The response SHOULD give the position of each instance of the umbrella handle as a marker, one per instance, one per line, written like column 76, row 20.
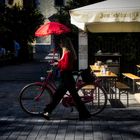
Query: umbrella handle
column 54, row 52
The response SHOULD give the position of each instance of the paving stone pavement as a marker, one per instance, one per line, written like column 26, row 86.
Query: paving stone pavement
column 111, row 124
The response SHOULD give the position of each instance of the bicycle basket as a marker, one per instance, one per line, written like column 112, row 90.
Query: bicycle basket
column 87, row 77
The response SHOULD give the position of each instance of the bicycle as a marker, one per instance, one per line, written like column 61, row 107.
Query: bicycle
column 35, row 96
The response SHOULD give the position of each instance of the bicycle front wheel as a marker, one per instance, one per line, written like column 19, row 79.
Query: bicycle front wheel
column 34, row 97
column 94, row 98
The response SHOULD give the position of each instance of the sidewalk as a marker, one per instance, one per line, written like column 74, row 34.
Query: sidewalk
column 111, row 124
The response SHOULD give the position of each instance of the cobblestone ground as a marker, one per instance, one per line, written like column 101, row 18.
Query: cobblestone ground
column 111, row 124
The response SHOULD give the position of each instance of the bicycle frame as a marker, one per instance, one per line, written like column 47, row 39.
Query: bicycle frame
column 94, row 100
column 48, row 82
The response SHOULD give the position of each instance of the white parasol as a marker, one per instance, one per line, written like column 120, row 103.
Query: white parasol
column 108, row 16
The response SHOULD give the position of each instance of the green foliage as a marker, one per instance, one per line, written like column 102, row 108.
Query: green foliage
column 19, row 24
column 22, row 23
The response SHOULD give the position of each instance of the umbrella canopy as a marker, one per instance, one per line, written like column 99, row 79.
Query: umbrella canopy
column 108, row 16
column 50, row 28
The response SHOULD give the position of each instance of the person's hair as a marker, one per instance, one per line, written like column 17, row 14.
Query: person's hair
column 68, row 44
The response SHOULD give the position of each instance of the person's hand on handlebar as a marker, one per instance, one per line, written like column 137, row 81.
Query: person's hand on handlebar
column 55, row 63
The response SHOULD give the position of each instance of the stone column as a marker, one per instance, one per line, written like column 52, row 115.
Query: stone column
column 83, row 50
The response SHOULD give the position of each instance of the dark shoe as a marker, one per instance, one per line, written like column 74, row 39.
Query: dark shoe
column 46, row 116
column 84, row 117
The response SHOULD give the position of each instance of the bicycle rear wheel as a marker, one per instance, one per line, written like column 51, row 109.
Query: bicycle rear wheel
column 34, row 97
column 94, row 97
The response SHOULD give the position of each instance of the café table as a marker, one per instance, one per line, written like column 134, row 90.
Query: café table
column 95, row 68
column 108, row 80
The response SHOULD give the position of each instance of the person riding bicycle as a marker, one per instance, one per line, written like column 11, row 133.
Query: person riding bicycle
column 66, row 64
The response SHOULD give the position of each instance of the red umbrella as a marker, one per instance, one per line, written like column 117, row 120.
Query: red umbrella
column 51, row 28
